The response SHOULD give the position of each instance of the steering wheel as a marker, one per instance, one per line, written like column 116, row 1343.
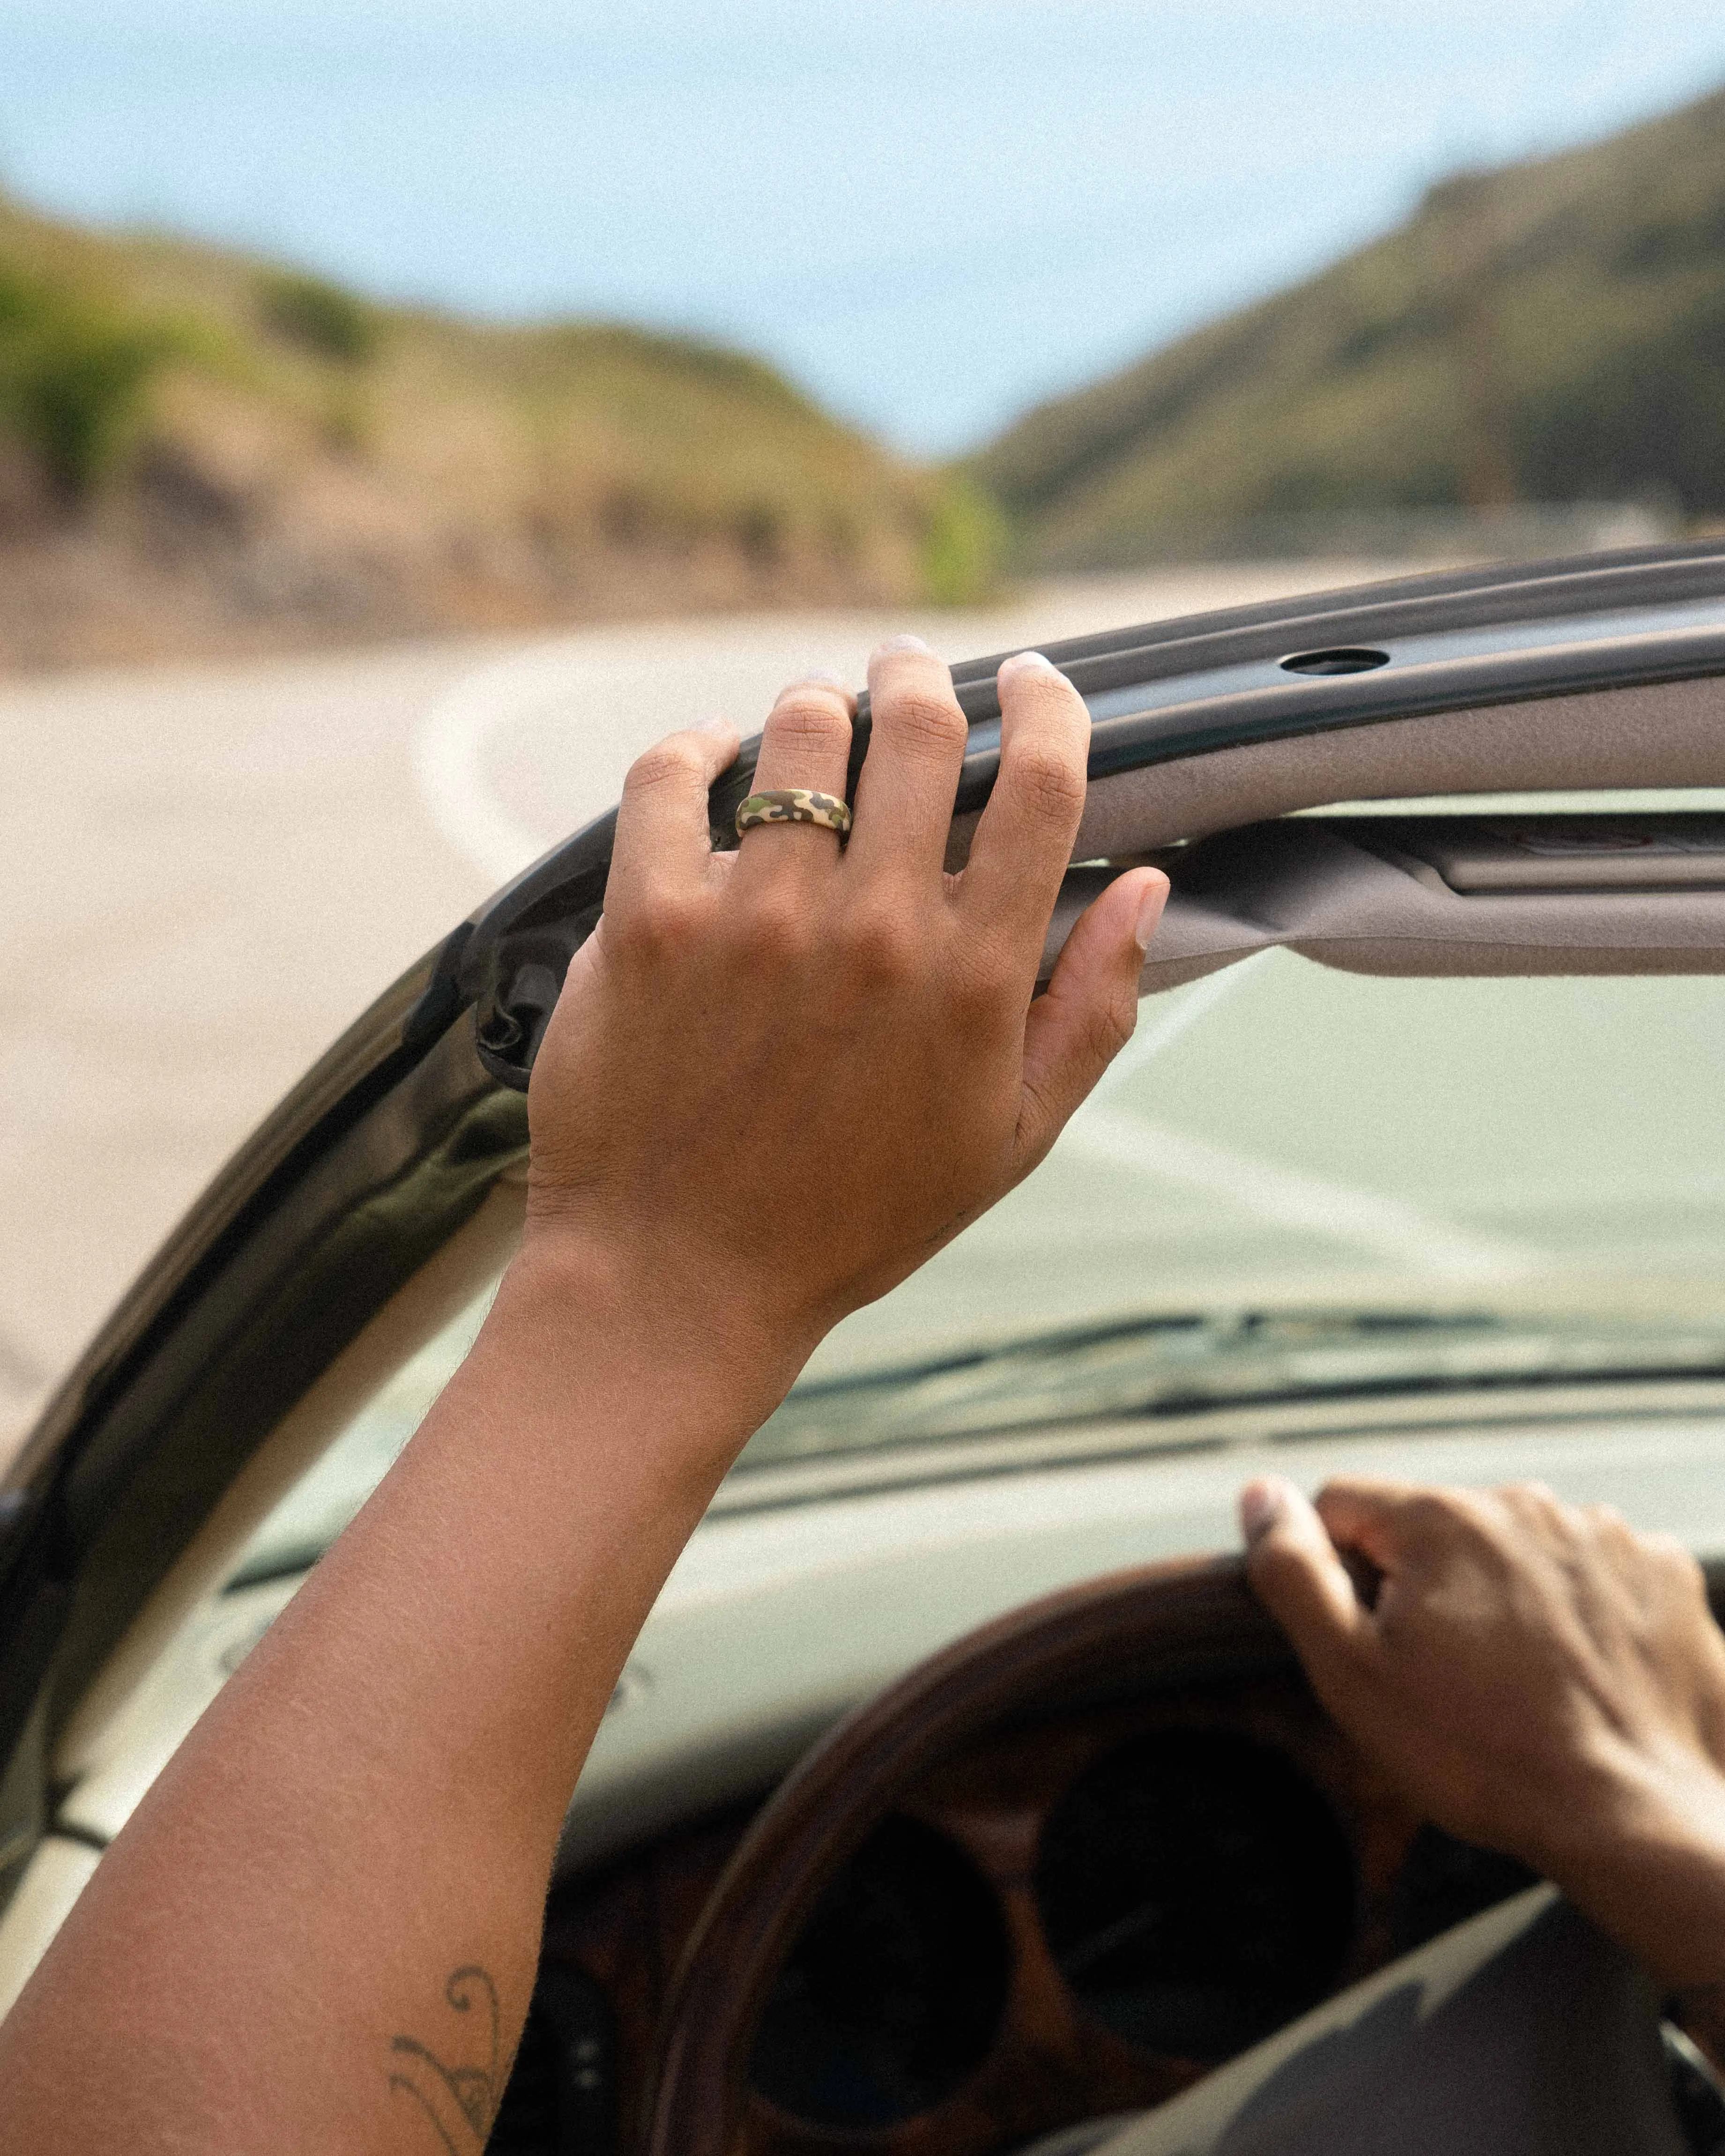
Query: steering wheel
column 1167, row 1625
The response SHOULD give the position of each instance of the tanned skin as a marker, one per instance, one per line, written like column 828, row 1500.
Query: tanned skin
column 1538, row 1679
column 776, row 1082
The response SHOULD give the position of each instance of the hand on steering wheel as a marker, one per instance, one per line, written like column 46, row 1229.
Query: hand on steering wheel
column 1537, row 1678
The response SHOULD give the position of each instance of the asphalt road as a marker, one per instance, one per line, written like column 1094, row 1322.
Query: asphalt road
column 206, row 872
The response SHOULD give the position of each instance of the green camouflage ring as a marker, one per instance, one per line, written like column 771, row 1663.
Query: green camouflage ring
column 794, row 805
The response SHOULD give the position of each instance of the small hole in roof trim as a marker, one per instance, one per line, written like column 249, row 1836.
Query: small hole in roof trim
column 1348, row 658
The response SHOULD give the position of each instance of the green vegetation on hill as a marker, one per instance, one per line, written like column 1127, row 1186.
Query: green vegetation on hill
column 1551, row 331
column 199, row 450
column 72, row 374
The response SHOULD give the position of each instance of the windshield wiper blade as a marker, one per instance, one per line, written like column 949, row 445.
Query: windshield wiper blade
column 1198, row 1329
column 1175, row 1365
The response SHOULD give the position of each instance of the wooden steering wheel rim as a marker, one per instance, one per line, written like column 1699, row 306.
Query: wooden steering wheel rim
column 1164, row 1625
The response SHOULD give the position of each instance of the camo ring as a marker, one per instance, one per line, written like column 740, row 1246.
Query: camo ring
column 794, row 805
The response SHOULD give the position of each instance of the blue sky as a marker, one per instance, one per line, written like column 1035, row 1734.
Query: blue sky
column 931, row 213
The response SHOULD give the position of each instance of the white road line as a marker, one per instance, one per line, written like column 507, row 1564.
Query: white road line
column 586, row 706
column 1184, row 1007
column 1292, row 1199
column 449, row 758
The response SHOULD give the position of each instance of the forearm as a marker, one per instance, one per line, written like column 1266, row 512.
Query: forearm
column 1641, row 1849
column 776, row 1079
column 372, row 1805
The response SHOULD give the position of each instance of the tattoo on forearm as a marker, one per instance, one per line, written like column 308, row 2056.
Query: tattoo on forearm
column 460, row 2100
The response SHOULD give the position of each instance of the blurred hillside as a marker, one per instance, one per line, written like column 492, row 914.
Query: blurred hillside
column 201, row 452
column 1551, row 331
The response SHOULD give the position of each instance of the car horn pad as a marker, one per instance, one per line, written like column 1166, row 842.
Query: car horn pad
column 1438, row 894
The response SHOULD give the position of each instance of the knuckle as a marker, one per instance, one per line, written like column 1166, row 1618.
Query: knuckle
column 1360, row 1495
column 808, row 719
column 1050, row 784
column 1332, row 1500
column 655, row 925
column 1537, row 1506
column 666, row 764
column 1121, row 1012
column 1428, row 1512
column 925, row 721
column 1676, row 1560
column 1344, row 1490
column 879, row 940
column 1609, row 1530
column 1107, row 1028
column 1440, row 1516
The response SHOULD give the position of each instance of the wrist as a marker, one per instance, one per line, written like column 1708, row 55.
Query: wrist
column 584, row 1321
column 1641, row 1849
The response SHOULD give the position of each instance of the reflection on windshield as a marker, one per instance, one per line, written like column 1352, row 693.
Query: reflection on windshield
column 1296, row 1182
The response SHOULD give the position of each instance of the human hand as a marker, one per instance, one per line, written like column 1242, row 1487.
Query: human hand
column 1536, row 1678
column 778, row 1079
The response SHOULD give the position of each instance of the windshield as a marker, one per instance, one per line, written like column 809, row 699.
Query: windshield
column 1295, row 1183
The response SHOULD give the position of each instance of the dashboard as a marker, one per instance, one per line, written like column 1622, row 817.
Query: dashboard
column 961, row 1990
column 1078, row 1913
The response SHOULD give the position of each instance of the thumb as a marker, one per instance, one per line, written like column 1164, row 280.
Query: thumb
column 1297, row 1573
column 1075, row 1031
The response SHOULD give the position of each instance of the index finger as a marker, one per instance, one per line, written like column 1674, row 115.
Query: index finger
column 1296, row 1574
column 1385, row 1520
column 664, row 843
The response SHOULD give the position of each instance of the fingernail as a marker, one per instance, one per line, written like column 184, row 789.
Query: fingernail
column 810, row 681
column 1262, row 1504
column 902, row 644
column 715, row 726
column 1150, row 907
column 1023, row 660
